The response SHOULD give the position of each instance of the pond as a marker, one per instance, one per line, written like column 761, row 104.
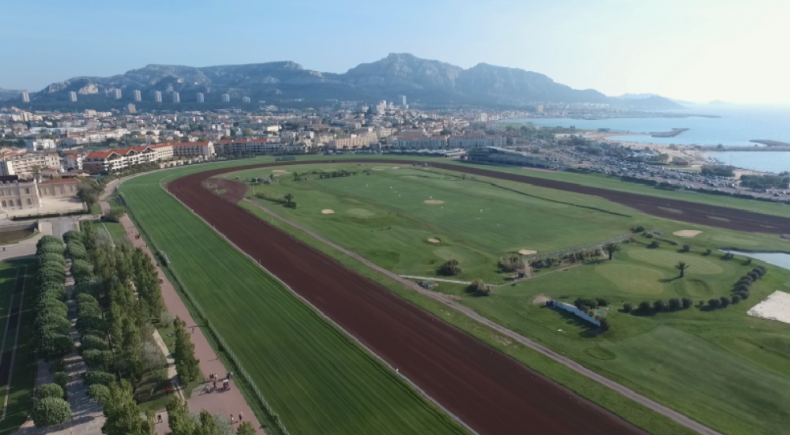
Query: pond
column 776, row 258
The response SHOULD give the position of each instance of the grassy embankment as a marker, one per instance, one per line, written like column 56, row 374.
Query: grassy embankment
column 698, row 361
column 20, row 396
column 315, row 378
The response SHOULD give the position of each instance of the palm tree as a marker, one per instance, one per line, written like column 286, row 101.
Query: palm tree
column 611, row 248
column 682, row 266
column 288, row 199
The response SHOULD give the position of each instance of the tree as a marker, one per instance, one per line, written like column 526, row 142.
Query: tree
column 246, row 428
column 50, row 411
column 611, row 248
column 151, row 357
column 660, row 305
column 674, row 304
column 101, row 378
column 725, row 301
column 628, row 307
column 99, row 392
column 682, row 266
column 736, row 298
column 645, row 306
column 123, row 416
column 101, row 360
column 687, row 303
column 450, row 268
column 288, row 199
column 714, row 303
column 187, row 366
column 480, row 288
column 686, row 248
column 179, row 420
column 130, row 361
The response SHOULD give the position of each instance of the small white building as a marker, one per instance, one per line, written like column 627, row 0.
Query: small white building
column 40, row 144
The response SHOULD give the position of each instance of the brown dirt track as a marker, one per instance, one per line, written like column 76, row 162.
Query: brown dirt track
column 488, row 390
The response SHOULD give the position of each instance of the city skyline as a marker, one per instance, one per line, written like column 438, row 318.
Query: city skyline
column 721, row 50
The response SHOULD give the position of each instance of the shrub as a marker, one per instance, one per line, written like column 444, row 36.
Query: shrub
column 90, row 323
column 61, row 378
column 55, row 346
column 687, row 303
column 628, row 307
column 57, row 365
column 511, row 264
column 728, row 256
column 51, row 411
column 744, row 295
column 52, row 305
column 602, row 302
column 604, row 325
column 714, row 303
column 686, row 248
column 92, row 342
column 450, row 268
column 708, row 252
column 586, row 303
column 48, row 390
column 638, row 229
column 674, row 304
column 725, row 301
column 660, row 305
column 480, row 288
column 645, row 306
column 736, row 298
column 97, row 377
column 654, row 244
column 101, row 360
column 99, row 392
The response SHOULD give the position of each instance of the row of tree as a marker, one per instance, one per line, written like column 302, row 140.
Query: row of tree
column 52, row 332
column 660, row 305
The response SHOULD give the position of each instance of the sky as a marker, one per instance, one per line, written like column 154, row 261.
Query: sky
column 694, row 50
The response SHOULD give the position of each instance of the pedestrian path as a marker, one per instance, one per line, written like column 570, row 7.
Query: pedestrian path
column 217, row 402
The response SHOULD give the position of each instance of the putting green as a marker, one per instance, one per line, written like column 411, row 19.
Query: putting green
column 668, row 259
column 696, row 288
column 633, row 279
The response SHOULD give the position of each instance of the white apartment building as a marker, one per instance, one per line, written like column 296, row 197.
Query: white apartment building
column 73, row 96
column 100, row 162
column 158, row 96
column 71, row 161
column 40, row 144
column 225, row 98
column 25, row 97
column 176, row 97
column 200, row 97
column 476, row 141
column 193, row 149
column 352, row 142
column 117, row 94
column 449, row 142
column 138, row 97
column 25, row 165
column 421, row 142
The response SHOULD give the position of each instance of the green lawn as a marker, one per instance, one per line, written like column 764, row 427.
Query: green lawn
column 115, row 231
column 20, row 397
column 315, row 378
column 654, row 354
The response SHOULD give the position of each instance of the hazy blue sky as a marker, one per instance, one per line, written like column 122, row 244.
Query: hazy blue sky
column 700, row 50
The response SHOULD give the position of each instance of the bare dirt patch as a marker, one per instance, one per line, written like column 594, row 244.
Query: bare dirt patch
column 540, row 299
column 687, row 233
column 279, row 172
column 433, row 201
column 327, row 211
column 775, row 307
column 434, row 240
column 527, row 251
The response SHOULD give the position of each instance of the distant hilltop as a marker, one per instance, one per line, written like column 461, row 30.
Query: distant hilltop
column 399, row 75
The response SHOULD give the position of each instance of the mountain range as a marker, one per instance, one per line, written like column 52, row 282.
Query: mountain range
column 422, row 81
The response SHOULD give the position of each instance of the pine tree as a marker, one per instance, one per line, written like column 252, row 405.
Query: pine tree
column 122, row 413
column 131, row 358
column 179, row 420
column 187, row 366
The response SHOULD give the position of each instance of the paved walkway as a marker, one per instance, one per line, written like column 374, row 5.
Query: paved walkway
column 573, row 365
column 218, row 402
column 425, row 278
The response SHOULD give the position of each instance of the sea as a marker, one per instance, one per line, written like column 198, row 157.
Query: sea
column 734, row 126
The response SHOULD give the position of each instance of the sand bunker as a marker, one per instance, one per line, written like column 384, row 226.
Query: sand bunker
column 775, row 307
column 687, row 233
column 278, row 172
column 433, row 240
column 540, row 299
column 527, row 252
column 396, row 167
column 327, row 211
column 379, row 169
column 433, row 201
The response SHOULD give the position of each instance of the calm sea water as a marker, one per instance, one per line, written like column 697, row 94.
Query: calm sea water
column 736, row 126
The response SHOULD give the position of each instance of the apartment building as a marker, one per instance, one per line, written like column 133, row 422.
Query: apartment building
column 71, row 160
column 352, row 142
column 100, row 162
column 26, row 165
column 476, row 141
column 40, row 144
column 421, row 142
column 257, row 146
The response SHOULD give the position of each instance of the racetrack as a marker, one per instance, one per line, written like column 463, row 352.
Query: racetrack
column 488, row 390
column 677, row 210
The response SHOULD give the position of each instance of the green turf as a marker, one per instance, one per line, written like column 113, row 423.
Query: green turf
column 316, row 379
column 636, row 274
column 20, row 397
column 115, row 231
column 384, row 217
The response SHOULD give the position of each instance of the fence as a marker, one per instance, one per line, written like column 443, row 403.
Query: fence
column 571, row 309
column 216, row 334
column 562, row 252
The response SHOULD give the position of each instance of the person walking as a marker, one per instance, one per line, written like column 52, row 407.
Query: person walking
column 231, row 419
column 241, row 417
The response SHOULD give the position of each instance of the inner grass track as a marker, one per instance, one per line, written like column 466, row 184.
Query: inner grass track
column 314, row 377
